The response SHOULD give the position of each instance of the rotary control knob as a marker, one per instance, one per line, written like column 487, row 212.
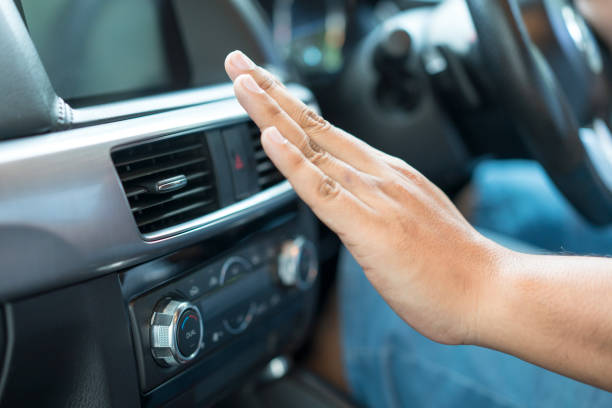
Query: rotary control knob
column 298, row 264
column 176, row 332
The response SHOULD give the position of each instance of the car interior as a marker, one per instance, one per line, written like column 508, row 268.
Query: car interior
column 150, row 252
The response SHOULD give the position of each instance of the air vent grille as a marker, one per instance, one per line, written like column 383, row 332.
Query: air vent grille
column 167, row 181
column 267, row 174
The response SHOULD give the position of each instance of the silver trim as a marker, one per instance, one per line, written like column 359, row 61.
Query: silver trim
column 64, row 216
column 151, row 104
column 161, row 103
column 279, row 194
column 289, row 261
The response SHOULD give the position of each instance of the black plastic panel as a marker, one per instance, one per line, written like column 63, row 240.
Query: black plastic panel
column 229, row 369
column 219, row 297
column 278, row 318
column 72, row 347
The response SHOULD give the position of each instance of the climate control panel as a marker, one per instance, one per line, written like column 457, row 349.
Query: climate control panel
column 208, row 306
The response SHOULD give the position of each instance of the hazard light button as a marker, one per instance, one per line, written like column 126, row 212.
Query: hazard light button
column 239, row 155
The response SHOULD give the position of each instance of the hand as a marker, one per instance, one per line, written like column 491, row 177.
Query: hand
column 415, row 247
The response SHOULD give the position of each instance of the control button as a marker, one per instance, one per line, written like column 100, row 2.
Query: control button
column 298, row 263
column 255, row 255
column 210, row 277
column 194, row 291
column 238, row 155
column 233, row 268
column 191, row 288
column 199, row 282
column 255, row 258
column 176, row 332
column 212, row 282
column 216, row 334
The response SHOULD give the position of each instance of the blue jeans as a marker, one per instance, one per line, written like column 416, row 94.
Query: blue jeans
column 388, row 364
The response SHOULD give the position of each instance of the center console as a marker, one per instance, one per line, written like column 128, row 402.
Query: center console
column 182, row 262
column 203, row 318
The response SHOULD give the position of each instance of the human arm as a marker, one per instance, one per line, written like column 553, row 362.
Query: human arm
column 553, row 311
column 437, row 272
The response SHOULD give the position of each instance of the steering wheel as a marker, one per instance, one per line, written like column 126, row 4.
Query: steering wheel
column 561, row 108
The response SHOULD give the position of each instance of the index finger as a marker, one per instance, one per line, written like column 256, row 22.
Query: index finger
column 337, row 142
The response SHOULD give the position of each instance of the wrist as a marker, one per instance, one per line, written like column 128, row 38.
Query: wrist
column 495, row 292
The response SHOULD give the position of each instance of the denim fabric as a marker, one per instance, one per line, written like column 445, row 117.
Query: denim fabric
column 388, row 364
column 517, row 199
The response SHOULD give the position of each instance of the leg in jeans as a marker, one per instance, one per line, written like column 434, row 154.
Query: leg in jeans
column 517, row 199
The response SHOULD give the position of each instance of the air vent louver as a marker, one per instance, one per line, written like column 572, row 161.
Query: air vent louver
column 167, row 181
column 267, row 174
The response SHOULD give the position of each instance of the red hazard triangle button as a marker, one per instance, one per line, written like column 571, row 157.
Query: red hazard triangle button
column 238, row 163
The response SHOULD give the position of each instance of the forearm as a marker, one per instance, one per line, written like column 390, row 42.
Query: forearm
column 553, row 311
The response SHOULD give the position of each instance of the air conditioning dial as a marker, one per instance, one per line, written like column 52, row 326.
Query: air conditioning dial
column 298, row 264
column 176, row 332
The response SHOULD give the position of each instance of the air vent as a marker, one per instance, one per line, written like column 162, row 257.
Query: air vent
column 267, row 174
column 167, row 181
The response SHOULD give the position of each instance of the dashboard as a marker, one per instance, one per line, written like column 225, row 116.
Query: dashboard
column 152, row 254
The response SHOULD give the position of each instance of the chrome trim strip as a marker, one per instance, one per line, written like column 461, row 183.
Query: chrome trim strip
column 64, row 216
column 161, row 103
column 150, row 104
column 272, row 197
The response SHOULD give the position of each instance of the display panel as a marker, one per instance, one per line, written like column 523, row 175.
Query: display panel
column 103, row 50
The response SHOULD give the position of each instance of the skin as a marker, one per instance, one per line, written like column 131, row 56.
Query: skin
column 599, row 14
column 433, row 268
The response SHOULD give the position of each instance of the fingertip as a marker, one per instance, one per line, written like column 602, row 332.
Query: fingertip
column 280, row 151
column 271, row 136
column 236, row 63
column 247, row 83
column 229, row 70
